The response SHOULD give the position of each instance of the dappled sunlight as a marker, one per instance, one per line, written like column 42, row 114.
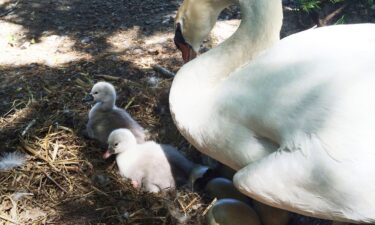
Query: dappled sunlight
column 158, row 38
column 123, row 40
column 51, row 53
column 132, row 42
column 145, row 62
column 51, row 50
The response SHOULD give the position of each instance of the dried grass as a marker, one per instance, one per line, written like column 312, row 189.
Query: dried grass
column 64, row 180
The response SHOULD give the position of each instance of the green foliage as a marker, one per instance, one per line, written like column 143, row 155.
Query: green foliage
column 341, row 20
column 310, row 5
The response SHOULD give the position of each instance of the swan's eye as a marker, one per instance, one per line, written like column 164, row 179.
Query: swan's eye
column 116, row 144
column 95, row 93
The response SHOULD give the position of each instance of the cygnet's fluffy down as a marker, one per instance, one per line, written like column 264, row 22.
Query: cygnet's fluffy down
column 11, row 160
column 105, row 116
column 150, row 166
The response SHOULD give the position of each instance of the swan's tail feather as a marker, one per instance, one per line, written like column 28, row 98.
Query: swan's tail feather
column 11, row 160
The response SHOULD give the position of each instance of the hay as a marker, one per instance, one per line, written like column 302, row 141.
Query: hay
column 64, row 179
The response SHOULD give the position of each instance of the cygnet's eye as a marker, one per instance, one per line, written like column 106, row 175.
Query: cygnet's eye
column 95, row 93
column 116, row 144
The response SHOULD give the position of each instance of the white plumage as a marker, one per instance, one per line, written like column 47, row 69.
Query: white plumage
column 294, row 117
column 149, row 165
column 11, row 160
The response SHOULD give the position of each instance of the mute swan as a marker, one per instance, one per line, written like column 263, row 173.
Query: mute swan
column 229, row 211
column 105, row 116
column 293, row 117
column 153, row 166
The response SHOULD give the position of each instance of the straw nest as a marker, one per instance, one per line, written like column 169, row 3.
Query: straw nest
column 64, row 179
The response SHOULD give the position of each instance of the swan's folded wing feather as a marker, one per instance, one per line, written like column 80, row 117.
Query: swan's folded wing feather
column 302, row 177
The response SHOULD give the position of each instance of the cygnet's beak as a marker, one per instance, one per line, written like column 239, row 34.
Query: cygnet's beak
column 107, row 154
column 88, row 98
column 187, row 51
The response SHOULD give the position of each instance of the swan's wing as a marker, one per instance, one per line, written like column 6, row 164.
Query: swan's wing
column 304, row 178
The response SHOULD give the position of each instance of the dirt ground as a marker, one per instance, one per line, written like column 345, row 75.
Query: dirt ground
column 51, row 53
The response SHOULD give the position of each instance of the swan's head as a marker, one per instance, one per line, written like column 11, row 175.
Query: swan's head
column 101, row 92
column 119, row 141
column 194, row 21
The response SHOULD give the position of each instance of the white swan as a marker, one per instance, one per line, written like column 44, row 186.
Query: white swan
column 295, row 118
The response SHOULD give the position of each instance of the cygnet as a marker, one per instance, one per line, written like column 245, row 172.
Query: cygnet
column 223, row 188
column 270, row 215
column 149, row 165
column 229, row 211
column 105, row 116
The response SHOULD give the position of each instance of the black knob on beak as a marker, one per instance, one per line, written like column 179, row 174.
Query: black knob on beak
column 187, row 51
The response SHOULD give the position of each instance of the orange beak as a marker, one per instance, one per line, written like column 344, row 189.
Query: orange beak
column 187, row 51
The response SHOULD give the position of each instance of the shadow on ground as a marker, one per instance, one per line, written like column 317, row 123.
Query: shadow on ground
column 89, row 21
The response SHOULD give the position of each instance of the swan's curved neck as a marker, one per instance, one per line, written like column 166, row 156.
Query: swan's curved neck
column 194, row 84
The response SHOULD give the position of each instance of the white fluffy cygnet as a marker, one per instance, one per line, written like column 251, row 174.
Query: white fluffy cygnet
column 150, row 166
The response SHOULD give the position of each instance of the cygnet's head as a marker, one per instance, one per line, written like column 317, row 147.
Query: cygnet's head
column 102, row 92
column 119, row 141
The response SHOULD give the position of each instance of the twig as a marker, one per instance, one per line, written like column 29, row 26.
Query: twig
column 74, row 198
column 36, row 154
column 32, row 122
column 57, row 184
column 10, row 10
column 14, row 107
column 163, row 71
column 99, row 191
column 65, row 128
column 8, row 219
column 191, row 203
column 108, row 77
column 181, row 205
column 209, row 206
column 325, row 20
column 55, row 150
column 112, row 78
column 129, row 103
